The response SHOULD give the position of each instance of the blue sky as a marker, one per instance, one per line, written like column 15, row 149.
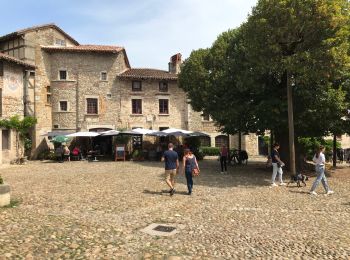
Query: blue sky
column 151, row 30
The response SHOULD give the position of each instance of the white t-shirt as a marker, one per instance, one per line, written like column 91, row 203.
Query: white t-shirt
column 321, row 160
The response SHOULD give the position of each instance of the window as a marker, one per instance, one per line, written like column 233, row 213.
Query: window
column 55, row 126
column 5, row 139
column 1, row 68
column 163, row 106
column 136, row 106
column 48, row 95
column 205, row 117
column 163, row 86
column 136, row 86
column 103, row 76
column 60, row 42
column 63, row 75
column 63, row 106
column 92, row 105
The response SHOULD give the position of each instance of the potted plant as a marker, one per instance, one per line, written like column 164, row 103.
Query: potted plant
column 4, row 193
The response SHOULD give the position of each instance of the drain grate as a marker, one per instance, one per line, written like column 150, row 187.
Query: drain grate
column 159, row 229
column 167, row 229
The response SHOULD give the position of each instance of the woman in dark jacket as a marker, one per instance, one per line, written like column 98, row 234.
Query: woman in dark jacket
column 189, row 163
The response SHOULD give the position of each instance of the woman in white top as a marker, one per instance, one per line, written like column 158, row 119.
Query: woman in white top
column 320, row 161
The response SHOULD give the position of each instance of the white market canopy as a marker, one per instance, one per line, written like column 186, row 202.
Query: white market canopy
column 110, row 133
column 144, row 131
column 83, row 134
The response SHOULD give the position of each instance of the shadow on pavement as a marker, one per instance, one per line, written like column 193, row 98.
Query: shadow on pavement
column 164, row 192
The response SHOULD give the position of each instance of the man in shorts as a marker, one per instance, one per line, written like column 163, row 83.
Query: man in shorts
column 171, row 159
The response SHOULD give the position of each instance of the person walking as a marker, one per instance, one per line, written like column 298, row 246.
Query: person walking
column 320, row 161
column 171, row 159
column 189, row 163
column 223, row 158
column 277, row 165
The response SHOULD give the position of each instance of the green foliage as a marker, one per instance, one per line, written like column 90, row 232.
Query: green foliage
column 241, row 81
column 309, row 145
column 20, row 125
column 210, row 151
column 47, row 155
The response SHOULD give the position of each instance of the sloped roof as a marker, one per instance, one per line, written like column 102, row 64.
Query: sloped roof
column 89, row 48
column 140, row 73
column 84, row 48
column 6, row 57
column 38, row 27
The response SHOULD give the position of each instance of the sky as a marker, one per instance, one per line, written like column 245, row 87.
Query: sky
column 151, row 31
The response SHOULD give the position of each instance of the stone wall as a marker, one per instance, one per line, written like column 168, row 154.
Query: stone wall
column 42, row 108
column 150, row 95
column 84, row 81
column 12, row 104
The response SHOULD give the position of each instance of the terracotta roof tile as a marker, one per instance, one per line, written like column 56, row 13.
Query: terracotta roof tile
column 84, row 48
column 38, row 27
column 147, row 74
column 6, row 57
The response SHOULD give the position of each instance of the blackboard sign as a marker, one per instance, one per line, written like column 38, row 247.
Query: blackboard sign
column 120, row 152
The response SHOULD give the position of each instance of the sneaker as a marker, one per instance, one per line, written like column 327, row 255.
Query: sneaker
column 282, row 184
column 172, row 192
column 313, row 193
column 273, row 185
column 330, row 192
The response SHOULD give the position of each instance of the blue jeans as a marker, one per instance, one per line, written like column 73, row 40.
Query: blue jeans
column 321, row 177
column 189, row 179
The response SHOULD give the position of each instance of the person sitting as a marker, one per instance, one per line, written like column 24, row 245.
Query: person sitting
column 76, row 153
column 59, row 153
column 66, row 153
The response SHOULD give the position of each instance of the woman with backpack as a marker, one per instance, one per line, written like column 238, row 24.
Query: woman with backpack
column 190, row 168
column 320, row 162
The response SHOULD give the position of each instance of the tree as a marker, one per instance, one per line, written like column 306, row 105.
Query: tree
column 304, row 42
column 241, row 81
column 21, row 127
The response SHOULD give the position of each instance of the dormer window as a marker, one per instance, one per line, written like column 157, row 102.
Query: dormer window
column 60, row 42
column 136, row 86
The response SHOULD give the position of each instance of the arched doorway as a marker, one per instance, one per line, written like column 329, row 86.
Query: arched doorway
column 221, row 140
column 205, row 141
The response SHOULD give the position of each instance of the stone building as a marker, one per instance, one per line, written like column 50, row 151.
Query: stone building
column 93, row 87
column 14, row 83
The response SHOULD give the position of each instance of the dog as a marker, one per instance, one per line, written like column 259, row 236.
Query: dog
column 298, row 178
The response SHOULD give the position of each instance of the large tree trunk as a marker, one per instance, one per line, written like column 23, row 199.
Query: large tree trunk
column 334, row 150
column 239, row 147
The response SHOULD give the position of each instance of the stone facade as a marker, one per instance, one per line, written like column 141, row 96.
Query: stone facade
column 12, row 77
column 100, row 74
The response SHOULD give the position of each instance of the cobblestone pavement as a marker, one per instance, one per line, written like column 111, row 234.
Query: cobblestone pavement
column 81, row 210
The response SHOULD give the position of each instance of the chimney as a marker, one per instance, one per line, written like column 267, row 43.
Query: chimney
column 174, row 64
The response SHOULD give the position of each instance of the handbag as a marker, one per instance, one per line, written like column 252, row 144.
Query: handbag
column 195, row 172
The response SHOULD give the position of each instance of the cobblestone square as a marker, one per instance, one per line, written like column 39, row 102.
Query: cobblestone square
column 81, row 210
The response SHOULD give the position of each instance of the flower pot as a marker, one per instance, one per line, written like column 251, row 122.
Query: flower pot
column 4, row 195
